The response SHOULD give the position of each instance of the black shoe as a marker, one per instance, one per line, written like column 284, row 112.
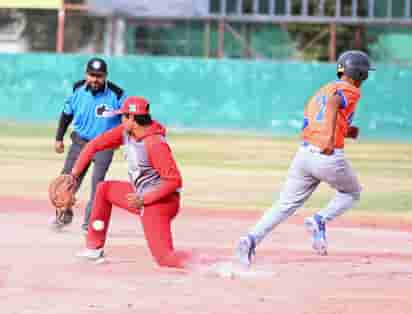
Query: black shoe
column 85, row 228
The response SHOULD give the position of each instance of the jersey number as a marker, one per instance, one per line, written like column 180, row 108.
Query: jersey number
column 321, row 101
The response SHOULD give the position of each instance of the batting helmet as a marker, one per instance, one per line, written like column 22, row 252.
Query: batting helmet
column 354, row 64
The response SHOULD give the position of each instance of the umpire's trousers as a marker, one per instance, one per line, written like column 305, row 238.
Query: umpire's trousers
column 101, row 160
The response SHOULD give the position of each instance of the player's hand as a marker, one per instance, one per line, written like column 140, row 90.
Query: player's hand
column 353, row 132
column 329, row 149
column 59, row 147
column 134, row 200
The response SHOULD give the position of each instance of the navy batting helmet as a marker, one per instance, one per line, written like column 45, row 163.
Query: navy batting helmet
column 354, row 64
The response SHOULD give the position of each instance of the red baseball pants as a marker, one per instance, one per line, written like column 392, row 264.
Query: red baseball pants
column 156, row 219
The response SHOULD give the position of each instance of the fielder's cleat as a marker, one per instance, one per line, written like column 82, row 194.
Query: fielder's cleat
column 246, row 250
column 91, row 254
column 317, row 228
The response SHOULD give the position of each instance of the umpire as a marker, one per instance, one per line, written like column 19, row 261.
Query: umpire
column 91, row 108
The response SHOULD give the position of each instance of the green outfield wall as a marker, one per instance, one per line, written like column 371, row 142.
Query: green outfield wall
column 260, row 96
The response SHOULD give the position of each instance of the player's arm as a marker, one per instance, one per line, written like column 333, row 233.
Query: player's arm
column 64, row 122
column 109, row 140
column 66, row 118
column 331, row 114
column 353, row 95
column 162, row 160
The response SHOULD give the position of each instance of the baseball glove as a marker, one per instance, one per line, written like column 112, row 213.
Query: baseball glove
column 62, row 196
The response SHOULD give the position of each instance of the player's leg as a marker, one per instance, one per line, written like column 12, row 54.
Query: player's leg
column 297, row 189
column 338, row 173
column 102, row 161
column 72, row 155
column 348, row 190
column 156, row 220
column 108, row 193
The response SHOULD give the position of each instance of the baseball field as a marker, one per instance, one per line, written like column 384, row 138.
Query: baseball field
column 229, row 180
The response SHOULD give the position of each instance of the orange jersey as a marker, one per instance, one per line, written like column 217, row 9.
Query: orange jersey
column 314, row 127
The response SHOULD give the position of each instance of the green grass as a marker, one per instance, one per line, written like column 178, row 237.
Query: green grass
column 221, row 170
column 20, row 129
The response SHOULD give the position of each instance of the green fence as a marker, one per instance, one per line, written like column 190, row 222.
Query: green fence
column 208, row 94
column 187, row 38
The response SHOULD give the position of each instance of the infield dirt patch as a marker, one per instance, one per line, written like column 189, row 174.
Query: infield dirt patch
column 368, row 270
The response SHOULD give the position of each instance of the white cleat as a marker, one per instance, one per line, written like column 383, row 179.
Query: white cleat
column 246, row 250
column 317, row 228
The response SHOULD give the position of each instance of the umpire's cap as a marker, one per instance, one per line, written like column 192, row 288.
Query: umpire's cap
column 354, row 64
column 96, row 65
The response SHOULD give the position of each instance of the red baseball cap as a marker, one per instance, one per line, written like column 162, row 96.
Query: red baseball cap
column 134, row 105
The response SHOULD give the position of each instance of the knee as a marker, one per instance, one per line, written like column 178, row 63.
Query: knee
column 164, row 260
column 356, row 195
column 287, row 207
column 171, row 259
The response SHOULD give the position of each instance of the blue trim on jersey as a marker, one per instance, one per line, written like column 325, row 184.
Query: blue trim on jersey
column 343, row 98
column 350, row 118
column 305, row 123
column 93, row 114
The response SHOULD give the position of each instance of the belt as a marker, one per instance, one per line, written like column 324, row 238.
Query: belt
column 314, row 149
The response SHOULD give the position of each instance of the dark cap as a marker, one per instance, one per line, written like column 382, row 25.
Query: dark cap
column 96, row 65
column 134, row 105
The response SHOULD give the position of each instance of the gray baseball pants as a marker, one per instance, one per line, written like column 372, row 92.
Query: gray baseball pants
column 101, row 160
column 308, row 169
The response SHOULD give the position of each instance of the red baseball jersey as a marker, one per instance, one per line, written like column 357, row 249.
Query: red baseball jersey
column 314, row 127
column 152, row 168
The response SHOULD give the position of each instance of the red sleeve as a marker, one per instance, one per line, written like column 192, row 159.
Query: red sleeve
column 110, row 139
column 162, row 160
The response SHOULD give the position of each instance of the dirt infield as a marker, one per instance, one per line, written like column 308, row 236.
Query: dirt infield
column 368, row 270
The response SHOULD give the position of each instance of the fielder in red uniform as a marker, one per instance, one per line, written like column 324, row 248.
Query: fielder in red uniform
column 153, row 191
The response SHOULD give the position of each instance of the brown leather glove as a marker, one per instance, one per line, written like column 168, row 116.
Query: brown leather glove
column 62, row 196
